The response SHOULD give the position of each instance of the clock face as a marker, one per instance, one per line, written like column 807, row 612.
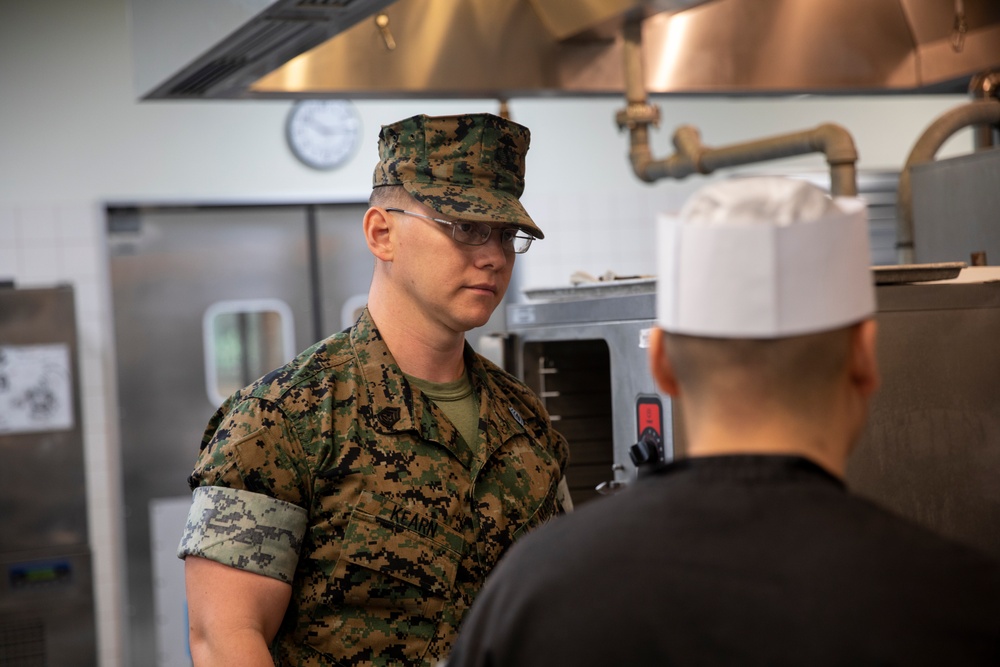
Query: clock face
column 323, row 134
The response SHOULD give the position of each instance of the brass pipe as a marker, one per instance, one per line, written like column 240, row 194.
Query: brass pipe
column 974, row 113
column 832, row 140
column 693, row 157
column 638, row 114
column 984, row 86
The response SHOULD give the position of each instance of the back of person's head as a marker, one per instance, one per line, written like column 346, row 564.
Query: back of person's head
column 760, row 282
column 796, row 372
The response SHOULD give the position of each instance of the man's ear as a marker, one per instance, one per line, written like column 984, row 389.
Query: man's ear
column 378, row 226
column 864, row 358
column 659, row 362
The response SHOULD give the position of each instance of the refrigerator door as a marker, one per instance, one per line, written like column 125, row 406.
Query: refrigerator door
column 46, row 591
column 202, row 297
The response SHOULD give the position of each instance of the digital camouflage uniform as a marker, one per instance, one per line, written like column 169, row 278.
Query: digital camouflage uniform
column 470, row 166
column 335, row 475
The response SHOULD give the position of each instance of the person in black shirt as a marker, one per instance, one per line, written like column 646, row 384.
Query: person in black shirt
column 749, row 550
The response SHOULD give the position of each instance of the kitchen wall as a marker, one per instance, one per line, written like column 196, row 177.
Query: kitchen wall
column 73, row 137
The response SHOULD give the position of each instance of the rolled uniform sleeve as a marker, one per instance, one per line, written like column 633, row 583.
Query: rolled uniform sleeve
column 248, row 502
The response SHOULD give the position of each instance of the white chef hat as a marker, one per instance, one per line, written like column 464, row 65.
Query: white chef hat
column 763, row 257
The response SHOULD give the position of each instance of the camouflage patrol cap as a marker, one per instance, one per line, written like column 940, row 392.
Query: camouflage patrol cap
column 469, row 166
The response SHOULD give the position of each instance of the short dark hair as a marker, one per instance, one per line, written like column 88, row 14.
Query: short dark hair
column 796, row 371
column 389, row 195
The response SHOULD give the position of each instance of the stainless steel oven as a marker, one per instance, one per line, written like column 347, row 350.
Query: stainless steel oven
column 582, row 350
column 931, row 449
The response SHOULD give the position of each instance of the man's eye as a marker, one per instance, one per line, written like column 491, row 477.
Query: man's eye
column 465, row 227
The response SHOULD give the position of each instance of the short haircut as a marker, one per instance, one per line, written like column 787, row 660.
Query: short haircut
column 797, row 371
column 389, row 196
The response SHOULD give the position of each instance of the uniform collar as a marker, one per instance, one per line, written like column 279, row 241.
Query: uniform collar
column 391, row 404
column 389, row 401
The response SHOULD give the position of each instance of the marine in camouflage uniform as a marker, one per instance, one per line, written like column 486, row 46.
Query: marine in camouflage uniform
column 338, row 476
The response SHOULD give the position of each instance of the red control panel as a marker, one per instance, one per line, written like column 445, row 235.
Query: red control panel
column 648, row 448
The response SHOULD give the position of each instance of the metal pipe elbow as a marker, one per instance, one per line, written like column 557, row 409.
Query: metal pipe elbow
column 641, row 158
column 836, row 143
column 650, row 170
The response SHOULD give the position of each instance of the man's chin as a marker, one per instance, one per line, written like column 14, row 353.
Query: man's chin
column 469, row 321
column 469, row 325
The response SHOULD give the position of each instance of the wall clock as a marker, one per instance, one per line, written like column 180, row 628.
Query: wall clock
column 323, row 134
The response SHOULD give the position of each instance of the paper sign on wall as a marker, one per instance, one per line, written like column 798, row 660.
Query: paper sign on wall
column 35, row 388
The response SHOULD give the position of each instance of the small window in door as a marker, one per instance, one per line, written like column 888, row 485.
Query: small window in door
column 244, row 339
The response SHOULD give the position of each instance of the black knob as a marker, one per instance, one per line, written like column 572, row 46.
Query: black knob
column 647, row 450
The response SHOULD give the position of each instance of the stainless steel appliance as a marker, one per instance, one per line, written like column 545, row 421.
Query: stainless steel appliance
column 931, row 449
column 46, row 591
column 581, row 350
column 955, row 204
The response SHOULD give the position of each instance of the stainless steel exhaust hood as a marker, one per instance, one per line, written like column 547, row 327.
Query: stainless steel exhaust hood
column 232, row 49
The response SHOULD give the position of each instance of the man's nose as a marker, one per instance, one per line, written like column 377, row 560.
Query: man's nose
column 493, row 249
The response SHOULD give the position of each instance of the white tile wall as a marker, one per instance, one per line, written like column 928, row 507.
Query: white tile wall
column 597, row 232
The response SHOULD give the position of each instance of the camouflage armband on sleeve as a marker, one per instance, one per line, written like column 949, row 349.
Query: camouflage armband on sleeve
column 245, row 530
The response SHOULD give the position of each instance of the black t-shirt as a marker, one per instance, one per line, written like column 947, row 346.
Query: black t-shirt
column 734, row 560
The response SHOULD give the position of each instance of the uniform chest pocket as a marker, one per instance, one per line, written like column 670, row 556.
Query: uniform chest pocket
column 415, row 555
column 395, row 574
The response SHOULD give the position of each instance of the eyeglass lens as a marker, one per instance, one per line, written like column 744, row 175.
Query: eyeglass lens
column 478, row 233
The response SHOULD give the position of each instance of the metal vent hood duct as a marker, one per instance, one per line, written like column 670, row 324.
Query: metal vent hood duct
column 230, row 49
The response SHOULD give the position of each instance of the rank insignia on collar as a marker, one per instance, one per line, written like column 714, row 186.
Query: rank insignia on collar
column 517, row 415
column 388, row 417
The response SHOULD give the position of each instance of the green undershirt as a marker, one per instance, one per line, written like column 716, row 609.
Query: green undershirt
column 457, row 402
